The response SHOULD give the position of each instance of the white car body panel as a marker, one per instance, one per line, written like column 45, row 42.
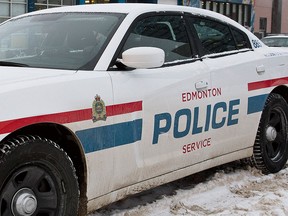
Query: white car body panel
column 145, row 151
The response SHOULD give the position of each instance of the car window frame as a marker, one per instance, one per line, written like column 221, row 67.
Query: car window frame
column 194, row 51
column 202, row 53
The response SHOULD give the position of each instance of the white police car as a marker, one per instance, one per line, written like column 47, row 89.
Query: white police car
column 103, row 101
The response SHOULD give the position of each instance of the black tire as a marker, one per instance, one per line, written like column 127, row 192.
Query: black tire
column 271, row 143
column 36, row 178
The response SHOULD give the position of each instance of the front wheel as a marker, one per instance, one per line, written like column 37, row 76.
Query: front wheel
column 36, row 178
column 271, row 144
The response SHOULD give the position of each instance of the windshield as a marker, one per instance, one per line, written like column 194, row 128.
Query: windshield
column 57, row 40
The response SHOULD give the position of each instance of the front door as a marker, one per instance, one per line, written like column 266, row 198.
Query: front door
column 173, row 102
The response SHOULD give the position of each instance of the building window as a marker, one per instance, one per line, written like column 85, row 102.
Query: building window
column 9, row 9
column 263, row 24
column 241, row 13
column 44, row 4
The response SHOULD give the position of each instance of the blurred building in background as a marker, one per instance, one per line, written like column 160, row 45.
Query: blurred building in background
column 261, row 16
column 271, row 17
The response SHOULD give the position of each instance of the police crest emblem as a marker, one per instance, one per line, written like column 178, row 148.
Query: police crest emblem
column 98, row 109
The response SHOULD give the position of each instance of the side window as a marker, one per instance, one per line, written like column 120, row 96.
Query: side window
column 241, row 39
column 165, row 32
column 215, row 37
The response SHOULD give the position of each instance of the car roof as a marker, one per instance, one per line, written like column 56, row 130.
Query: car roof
column 117, row 8
column 133, row 8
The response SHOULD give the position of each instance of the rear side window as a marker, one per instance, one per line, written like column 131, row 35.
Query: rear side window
column 215, row 37
column 241, row 39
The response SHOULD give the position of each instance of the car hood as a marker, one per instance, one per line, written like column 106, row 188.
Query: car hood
column 10, row 75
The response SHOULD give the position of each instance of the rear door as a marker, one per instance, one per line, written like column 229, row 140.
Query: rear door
column 233, row 66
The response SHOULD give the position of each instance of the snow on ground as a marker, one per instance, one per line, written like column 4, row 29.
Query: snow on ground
column 233, row 189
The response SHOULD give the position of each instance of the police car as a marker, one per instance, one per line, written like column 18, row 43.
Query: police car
column 103, row 101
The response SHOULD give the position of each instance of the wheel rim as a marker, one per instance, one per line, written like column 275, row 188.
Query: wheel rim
column 29, row 191
column 276, row 137
column 24, row 202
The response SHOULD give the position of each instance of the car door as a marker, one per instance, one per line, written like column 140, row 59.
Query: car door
column 233, row 66
column 172, row 111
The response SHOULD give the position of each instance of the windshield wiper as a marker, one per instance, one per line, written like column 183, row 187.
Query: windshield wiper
column 12, row 64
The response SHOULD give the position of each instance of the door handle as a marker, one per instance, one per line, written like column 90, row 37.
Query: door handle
column 260, row 69
column 201, row 85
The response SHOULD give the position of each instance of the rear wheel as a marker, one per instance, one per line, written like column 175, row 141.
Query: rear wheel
column 271, row 144
column 37, row 178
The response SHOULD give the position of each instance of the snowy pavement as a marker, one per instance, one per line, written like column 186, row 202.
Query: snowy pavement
column 232, row 189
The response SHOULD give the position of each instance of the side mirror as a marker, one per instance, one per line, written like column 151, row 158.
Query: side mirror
column 143, row 57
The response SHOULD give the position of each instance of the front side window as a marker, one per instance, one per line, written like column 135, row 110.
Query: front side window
column 165, row 32
column 58, row 40
column 215, row 37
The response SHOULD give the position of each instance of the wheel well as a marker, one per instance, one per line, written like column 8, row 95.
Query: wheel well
column 66, row 139
column 283, row 91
